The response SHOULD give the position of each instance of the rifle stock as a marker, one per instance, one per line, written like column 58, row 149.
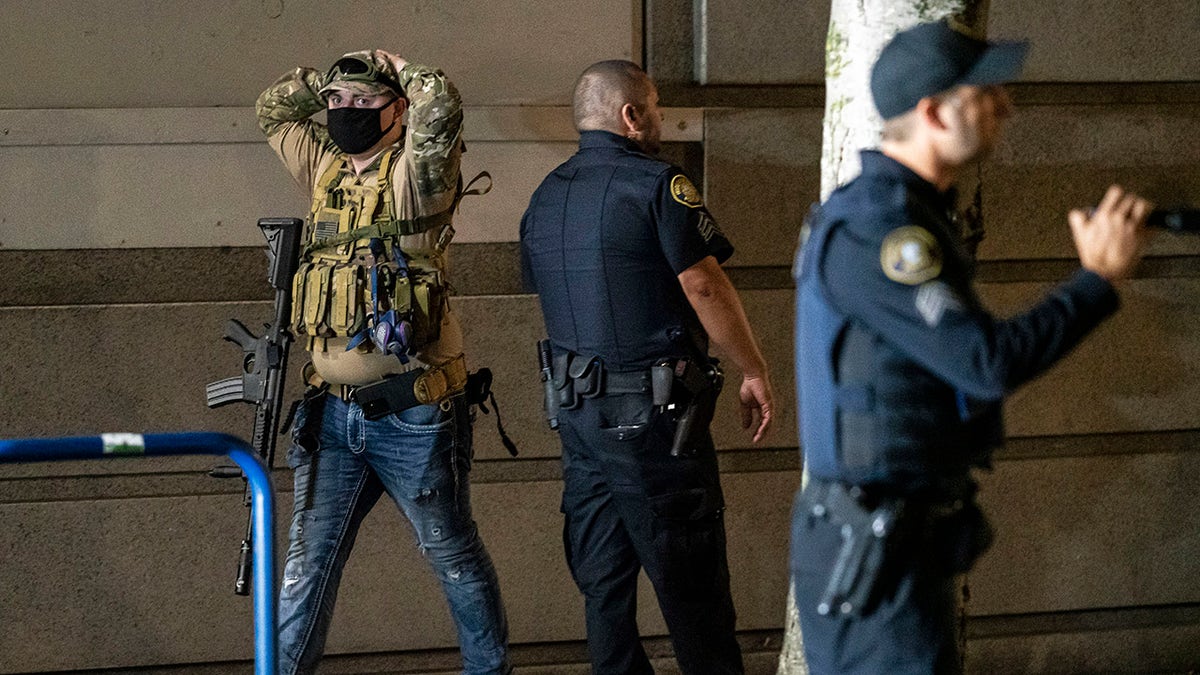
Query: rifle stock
column 264, row 364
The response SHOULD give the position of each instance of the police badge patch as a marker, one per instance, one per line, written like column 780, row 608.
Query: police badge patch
column 910, row 255
column 685, row 193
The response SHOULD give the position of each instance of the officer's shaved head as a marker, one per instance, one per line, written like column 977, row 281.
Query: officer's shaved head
column 604, row 88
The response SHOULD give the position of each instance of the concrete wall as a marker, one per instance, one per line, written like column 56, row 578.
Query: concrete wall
column 131, row 175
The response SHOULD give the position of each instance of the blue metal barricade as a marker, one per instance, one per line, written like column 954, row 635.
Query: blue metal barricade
column 189, row 443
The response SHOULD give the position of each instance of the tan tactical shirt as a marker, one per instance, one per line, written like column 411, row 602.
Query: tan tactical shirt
column 424, row 180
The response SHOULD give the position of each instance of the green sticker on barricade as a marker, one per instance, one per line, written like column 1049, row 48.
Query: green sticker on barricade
column 123, row 444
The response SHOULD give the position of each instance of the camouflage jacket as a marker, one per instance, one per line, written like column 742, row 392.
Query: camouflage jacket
column 424, row 175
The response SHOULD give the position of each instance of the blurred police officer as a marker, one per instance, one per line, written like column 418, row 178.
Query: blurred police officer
column 385, row 411
column 902, row 372
column 625, row 259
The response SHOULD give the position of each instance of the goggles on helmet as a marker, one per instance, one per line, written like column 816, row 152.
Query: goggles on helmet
column 355, row 69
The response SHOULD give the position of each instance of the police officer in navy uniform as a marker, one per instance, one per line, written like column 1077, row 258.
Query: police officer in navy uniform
column 901, row 371
column 625, row 259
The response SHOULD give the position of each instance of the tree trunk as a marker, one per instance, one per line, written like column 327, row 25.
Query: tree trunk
column 858, row 30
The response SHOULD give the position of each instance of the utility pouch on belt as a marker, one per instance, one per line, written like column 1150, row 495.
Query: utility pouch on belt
column 588, row 376
column 564, row 385
column 867, row 534
column 703, row 385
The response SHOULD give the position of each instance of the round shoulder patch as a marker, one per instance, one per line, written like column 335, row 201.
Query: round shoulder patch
column 911, row 255
column 684, row 192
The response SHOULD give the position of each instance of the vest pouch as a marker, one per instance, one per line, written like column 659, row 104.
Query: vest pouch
column 428, row 308
column 346, row 316
column 402, row 294
column 316, row 299
column 298, row 285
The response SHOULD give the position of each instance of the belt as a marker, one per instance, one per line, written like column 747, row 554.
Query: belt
column 934, row 503
column 635, row 382
column 435, row 384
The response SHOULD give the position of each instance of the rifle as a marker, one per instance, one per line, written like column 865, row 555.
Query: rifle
column 264, row 366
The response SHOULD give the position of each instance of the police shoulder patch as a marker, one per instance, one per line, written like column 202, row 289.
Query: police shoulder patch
column 911, row 255
column 684, row 192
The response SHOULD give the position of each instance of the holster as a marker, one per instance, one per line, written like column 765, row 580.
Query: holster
column 390, row 395
column 420, row 386
column 869, row 531
column 701, row 386
column 958, row 535
column 308, row 434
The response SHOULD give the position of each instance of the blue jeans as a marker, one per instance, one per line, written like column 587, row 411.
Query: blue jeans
column 421, row 457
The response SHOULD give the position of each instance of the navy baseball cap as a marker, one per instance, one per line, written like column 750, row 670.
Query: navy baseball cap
column 930, row 58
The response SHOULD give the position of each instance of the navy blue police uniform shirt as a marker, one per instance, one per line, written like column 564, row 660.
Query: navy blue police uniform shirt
column 603, row 241
column 893, row 262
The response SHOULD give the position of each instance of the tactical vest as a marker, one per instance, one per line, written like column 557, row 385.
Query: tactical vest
column 338, row 282
column 870, row 415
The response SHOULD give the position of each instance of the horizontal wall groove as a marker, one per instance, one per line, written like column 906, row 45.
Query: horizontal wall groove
column 1096, row 445
column 760, row 647
column 1083, row 620
column 51, row 488
column 191, row 483
column 812, row 95
column 572, row 655
column 217, row 125
column 98, row 277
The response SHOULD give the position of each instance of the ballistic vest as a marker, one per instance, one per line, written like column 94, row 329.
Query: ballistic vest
column 869, row 414
column 593, row 254
column 352, row 263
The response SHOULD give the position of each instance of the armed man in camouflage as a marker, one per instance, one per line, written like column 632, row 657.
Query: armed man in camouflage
column 385, row 409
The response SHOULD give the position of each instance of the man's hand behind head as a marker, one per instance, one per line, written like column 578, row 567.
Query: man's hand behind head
column 1112, row 237
column 397, row 62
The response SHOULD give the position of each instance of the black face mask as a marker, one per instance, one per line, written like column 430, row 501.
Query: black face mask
column 355, row 130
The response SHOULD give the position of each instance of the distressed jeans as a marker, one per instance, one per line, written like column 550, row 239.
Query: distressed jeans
column 421, row 457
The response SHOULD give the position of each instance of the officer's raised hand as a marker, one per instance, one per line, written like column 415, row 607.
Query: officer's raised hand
column 1112, row 237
